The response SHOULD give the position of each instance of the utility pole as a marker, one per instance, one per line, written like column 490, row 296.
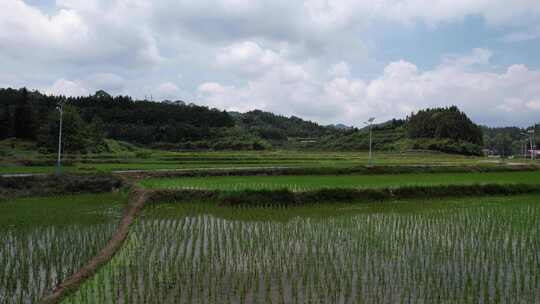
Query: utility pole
column 531, row 132
column 370, row 123
column 60, row 108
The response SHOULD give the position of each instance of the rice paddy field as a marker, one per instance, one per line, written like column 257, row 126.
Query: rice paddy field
column 453, row 250
column 471, row 250
column 43, row 240
column 161, row 160
column 313, row 182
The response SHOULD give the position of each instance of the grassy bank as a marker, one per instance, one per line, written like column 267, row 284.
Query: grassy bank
column 287, row 197
column 52, row 185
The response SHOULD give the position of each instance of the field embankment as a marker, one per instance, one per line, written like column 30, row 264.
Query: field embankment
column 287, row 197
column 306, row 189
column 135, row 204
column 325, row 170
column 41, row 185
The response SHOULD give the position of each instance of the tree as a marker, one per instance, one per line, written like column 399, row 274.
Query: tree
column 74, row 131
column 503, row 144
column 95, row 135
column 23, row 117
column 5, row 122
column 444, row 123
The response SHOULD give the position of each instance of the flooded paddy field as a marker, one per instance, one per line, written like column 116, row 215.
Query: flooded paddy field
column 469, row 250
column 43, row 240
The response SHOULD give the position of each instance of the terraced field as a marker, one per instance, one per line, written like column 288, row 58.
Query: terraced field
column 159, row 160
column 312, row 182
column 45, row 240
column 227, row 248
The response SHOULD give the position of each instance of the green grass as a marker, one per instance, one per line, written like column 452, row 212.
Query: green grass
column 46, row 239
column 312, row 182
column 474, row 250
column 159, row 160
column 22, row 157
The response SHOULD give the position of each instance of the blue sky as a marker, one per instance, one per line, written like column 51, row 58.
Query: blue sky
column 331, row 61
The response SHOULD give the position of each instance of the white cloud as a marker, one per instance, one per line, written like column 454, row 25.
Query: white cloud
column 293, row 57
column 534, row 105
column 340, row 69
column 110, row 82
column 247, row 56
column 478, row 56
column 67, row 88
column 527, row 35
column 77, row 32
column 168, row 90
column 399, row 90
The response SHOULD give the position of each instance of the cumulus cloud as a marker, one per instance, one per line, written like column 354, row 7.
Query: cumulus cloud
column 308, row 57
column 247, row 56
column 110, row 82
column 399, row 90
column 67, row 88
column 521, row 36
column 340, row 69
column 78, row 32
column 168, row 90
column 534, row 105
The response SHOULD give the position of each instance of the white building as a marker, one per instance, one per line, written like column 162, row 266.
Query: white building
column 535, row 152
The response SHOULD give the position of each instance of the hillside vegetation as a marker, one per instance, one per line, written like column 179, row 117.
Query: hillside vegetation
column 90, row 121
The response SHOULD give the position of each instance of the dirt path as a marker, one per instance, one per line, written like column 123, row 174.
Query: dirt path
column 136, row 202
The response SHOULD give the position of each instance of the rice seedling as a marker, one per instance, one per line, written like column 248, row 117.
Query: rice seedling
column 315, row 182
column 467, row 251
column 44, row 240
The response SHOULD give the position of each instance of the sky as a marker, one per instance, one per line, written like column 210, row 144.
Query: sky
column 329, row 61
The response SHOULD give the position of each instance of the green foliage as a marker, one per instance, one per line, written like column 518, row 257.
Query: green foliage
column 120, row 117
column 51, row 185
column 384, row 138
column 445, row 145
column 509, row 140
column 444, row 123
column 286, row 197
column 24, row 117
column 77, row 136
column 175, row 125
column 273, row 127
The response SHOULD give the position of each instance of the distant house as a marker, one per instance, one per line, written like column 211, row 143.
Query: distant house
column 534, row 152
column 303, row 140
column 488, row 152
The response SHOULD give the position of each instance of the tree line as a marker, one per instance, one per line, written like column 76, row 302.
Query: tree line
column 88, row 120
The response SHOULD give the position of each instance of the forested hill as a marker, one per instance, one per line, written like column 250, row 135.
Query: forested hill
column 32, row 116
column 88, row 121
column 270, row 126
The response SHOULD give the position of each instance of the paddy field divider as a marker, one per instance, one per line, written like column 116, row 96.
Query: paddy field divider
column 136, row 202
column 286, row 197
